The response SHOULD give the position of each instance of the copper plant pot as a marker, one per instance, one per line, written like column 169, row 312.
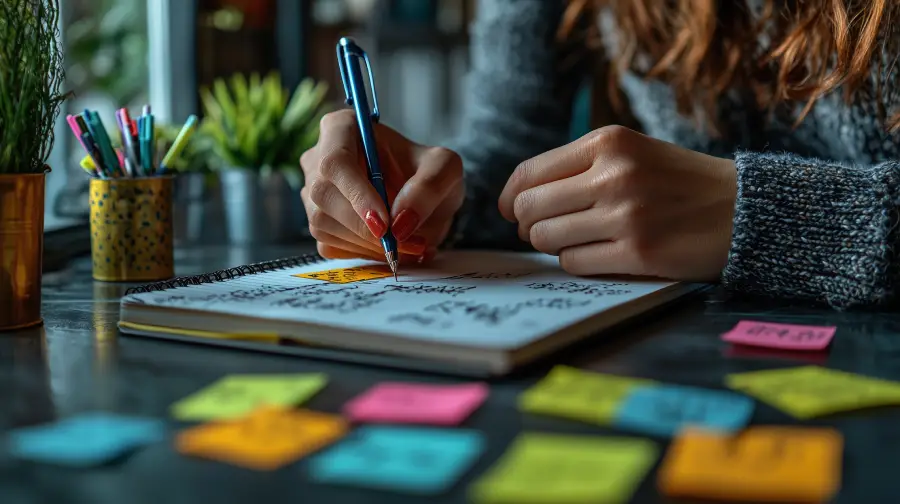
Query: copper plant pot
column 21, row 249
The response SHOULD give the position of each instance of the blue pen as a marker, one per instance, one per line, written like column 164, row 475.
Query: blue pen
column 349, row 55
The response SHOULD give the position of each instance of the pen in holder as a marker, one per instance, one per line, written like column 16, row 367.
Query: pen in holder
column 131, row 229
column 130, row 195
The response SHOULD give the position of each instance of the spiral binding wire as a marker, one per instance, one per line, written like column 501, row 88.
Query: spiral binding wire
column 228, row 274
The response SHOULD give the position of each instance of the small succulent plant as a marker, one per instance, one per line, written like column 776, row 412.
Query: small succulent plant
column 257, row 124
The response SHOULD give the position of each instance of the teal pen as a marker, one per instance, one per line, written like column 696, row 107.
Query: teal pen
column 98, row 132
column 142, row 144
column 151, row 142
column 106, row 143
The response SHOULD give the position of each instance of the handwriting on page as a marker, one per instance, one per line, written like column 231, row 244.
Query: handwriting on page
column 349, row 275
column 447, row 290
column 417, row 403
column 762, row 464
column 340, row 299
column 588, row 289
column 580, row 395
column 783, row 336
column 665, row 410
column 238, row 395
column 810, row 391
column 445, row 313
column 246, row 295
column 416, row 459
column 488, row 276
column 562, row 468
column 265, row 440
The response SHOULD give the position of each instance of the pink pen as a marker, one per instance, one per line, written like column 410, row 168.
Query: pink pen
column 73, row 123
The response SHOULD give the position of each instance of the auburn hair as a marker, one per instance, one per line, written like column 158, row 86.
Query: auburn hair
column 703, row 48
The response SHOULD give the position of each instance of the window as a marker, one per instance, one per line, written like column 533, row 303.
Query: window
column 105, row 45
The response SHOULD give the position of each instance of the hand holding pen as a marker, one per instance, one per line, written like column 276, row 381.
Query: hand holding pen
column 348, row 217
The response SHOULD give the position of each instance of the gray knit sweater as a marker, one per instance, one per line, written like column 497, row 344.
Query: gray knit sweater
column 817, row 206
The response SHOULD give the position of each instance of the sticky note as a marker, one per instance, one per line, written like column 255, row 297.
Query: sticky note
column 418, row 460
column 579, row 395
column 761, row 464
column 86, row 440
column 810, row 391
column 556, row 468
column 349, row 275
column 267, row 439
column 665, row 410
column 783, row 336
column 417, row 403
column 237, row 395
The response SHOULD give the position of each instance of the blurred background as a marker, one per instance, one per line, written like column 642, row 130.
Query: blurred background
column 130, row 52
column 127, row 53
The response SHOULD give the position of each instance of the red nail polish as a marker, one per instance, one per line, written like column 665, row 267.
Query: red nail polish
column 405, row 224
column 375, row 224
column 415, row 245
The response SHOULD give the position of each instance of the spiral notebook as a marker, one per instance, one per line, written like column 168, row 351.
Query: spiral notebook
column 467, row 312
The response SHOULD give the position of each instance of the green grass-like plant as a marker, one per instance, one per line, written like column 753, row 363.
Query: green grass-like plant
column 257, row 124
column 31, row 75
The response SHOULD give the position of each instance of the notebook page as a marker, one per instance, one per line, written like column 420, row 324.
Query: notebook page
column 488, row 299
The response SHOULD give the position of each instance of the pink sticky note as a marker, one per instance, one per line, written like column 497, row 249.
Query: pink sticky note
column 396, row 402
column 784, row 336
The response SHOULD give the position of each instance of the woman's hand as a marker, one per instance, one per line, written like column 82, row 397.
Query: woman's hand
column 618, row 202
column 346, row 215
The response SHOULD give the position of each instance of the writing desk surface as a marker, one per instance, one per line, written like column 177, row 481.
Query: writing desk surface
column 77, row 362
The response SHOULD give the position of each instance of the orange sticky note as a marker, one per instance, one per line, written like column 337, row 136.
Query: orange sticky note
column 264, row 440
column 349, row 275
column 762, row 464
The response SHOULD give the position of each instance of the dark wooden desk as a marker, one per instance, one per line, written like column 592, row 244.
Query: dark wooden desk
column 78, row 362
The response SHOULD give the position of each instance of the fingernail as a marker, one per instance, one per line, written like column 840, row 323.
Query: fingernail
column 415, row 245
column 375, row 224
column 405, row 224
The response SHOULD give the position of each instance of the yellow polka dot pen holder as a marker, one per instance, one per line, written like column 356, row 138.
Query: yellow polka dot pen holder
column 131, row 229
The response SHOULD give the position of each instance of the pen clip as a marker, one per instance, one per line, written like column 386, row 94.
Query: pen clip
column 346, row 48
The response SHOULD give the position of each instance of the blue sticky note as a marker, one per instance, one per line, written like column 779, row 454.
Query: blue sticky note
column 664, row 410
column 85, row 440
column 406, row 459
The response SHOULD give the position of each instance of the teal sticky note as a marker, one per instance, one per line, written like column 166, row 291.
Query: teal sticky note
column 86, row 440
column 414, row 460
column 664, row 410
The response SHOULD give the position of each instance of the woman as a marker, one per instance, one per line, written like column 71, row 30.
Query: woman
column 767, row 157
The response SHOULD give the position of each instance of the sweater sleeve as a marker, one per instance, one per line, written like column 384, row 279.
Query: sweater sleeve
column 518, row 104
column 815, row 230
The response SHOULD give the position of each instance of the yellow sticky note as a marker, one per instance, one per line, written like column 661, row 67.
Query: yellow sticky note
column 349, row 275
column 555, row 468
column 237, row 395
column 762, row 464
column 811, row 391
column 579, row 395
column 266, row 439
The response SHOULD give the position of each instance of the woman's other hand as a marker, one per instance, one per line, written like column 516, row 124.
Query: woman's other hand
column 346, row 215
column 618, row 202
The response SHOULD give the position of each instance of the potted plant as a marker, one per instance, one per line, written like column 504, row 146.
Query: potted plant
column 31, row 74
column 257, row 131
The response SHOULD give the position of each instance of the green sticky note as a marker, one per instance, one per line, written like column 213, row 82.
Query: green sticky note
column 810, row 391
column 556, row 469
column 579, row 395
column 237, row 395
